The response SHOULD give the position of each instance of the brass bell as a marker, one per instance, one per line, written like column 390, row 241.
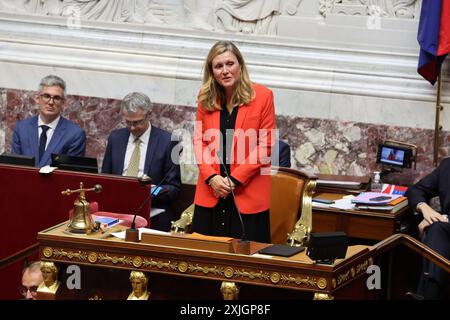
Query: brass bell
column 81, row 221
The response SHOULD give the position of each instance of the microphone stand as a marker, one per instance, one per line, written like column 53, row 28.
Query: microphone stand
column 241, row 246
column 132, row 234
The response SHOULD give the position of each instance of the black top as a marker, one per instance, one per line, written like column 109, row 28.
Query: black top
column 227, row 124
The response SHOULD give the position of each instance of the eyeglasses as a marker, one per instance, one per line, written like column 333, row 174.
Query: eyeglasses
column 56, row 99
column 136, row 123
column 24, row 290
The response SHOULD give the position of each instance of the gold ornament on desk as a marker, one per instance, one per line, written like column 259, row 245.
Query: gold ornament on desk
column 81, row 221
column 139, row 283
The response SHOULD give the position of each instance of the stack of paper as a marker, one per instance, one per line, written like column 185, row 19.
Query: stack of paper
column 380, row 201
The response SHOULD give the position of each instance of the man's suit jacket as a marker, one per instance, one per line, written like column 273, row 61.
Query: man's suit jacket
column 253, row 195
column 158, row 160
column 437, row 183
column 283, row 151
column 68, row 139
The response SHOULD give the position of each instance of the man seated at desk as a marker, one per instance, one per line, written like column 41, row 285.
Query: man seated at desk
column 48, row 132
column 141, row 148
column 436, row 226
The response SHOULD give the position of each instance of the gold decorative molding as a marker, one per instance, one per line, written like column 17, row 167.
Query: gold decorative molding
column 351, row 273
column 229, row 272
column 71, row 255
column 47, row 252
column 252, row 275
column 104, row 257
column 137, row 262
column 140, row 262
column 275, row 277
column 183, row 266
column 92, row 257
column 160, row 264
column 322, row 283
column 206, row 269
column 310, row 282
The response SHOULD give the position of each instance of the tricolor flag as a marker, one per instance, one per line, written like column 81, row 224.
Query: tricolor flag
column 433, row 37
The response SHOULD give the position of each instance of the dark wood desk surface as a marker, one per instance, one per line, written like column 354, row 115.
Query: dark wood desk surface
column 294, row 273
column 364, row 224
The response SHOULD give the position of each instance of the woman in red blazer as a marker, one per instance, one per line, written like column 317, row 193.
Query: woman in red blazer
column 234, row 131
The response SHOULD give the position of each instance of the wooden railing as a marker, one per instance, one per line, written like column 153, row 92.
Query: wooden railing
column 413, row 244
column 20, row 255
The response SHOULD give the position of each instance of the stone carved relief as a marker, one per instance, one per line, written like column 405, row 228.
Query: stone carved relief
column 166, row 12
column 247, row 16
column 409, row 9
column 252, row 16
column 244, row 16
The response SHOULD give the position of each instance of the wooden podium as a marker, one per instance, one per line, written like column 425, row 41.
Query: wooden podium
column 32, row 201
column 176, row 272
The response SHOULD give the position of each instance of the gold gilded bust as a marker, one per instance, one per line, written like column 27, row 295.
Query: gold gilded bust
column 230, row 291
column 50, row 275
column 139, row 283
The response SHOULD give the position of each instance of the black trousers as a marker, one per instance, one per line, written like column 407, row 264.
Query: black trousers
column 434, row 279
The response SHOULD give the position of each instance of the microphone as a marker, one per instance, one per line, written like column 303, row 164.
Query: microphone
column 243, row 245
column 132, row 234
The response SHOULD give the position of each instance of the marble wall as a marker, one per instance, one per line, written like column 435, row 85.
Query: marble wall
column 317, row 145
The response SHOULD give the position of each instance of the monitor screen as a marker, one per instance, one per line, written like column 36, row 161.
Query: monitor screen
column 72, row 163
column 17, row 159
column 394, row 156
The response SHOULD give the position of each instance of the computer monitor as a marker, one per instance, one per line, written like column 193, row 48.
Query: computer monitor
column 72, row 163
column 396, row 156
column 17, row 159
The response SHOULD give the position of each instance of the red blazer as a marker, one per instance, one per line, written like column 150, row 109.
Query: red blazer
column 252, row 143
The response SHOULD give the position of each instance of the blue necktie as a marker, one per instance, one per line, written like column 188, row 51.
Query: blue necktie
column 43, row 140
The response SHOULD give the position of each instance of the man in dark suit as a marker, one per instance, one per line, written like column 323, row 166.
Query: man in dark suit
column 48, row 132
column 436, row 225
column 283, row 151
column 142, row 149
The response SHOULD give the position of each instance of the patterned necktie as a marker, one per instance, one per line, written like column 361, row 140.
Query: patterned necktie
column 133, row 166
column 43, row 140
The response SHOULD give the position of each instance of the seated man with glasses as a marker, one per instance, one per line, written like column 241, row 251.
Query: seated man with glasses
column 31, row 279
column 48, row 132
column 142, row 149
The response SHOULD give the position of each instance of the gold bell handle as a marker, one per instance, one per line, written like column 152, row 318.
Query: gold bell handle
column 97, row 188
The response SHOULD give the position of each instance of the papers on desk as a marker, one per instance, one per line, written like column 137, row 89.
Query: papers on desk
column 339, row 184
column 320, row 205
column 47, row 169
column 121, row 234
column 343, row 204
column 375, row 198
column 155, row 211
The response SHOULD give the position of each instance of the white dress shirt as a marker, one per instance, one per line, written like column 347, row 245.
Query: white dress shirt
column 52, row 126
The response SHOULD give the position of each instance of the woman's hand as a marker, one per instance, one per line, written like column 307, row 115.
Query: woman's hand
column 220, row 186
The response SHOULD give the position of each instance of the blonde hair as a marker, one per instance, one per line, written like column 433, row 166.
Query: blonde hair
column 211, row 91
